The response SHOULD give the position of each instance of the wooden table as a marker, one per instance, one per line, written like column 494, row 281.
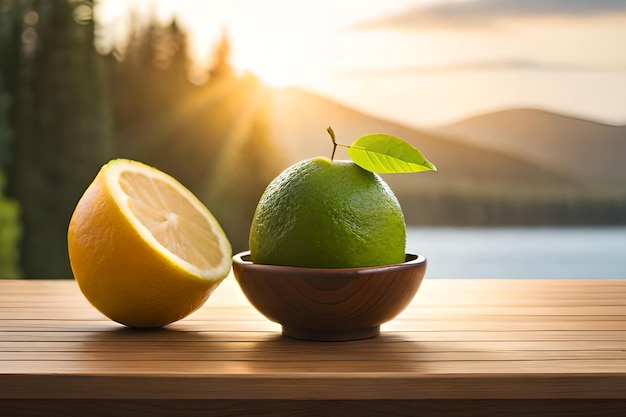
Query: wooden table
column 463, row 348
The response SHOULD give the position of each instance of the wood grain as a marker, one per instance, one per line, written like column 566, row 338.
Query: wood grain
column 531, row 347
column 330, row 305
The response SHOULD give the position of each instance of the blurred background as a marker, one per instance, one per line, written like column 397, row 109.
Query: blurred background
column 521, row 105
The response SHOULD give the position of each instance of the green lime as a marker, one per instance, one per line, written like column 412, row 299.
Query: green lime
column 328, row 214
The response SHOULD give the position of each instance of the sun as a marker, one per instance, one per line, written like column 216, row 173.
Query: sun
column 275, row 75
column 276, row 65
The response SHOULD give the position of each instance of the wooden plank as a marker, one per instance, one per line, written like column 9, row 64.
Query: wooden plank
column 297, row 360
column 330, row 385
column 88, row 334
column 299, row 408
column 232, row 344
column 531, row 338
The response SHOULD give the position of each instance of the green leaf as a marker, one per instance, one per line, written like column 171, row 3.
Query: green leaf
column 386, row 154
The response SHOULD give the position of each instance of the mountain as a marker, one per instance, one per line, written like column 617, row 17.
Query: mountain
column 300, row 118
column 589, row 151
column 549, row 178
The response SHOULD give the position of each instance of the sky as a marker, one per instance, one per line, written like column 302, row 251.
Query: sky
column 421, row 63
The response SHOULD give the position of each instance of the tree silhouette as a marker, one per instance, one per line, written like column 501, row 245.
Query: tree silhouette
column 61, row 128
column 221, row 66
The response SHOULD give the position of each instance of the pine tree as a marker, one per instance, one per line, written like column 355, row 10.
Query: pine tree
column 9, row 222
column 149, row 83
column 62, row 130
column 5, row 130
column 221, row 67
column 10, row 31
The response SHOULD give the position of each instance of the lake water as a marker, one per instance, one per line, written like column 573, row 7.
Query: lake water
column 585, row 252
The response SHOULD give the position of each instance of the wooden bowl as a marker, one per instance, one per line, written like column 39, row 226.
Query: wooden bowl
column 329, row 304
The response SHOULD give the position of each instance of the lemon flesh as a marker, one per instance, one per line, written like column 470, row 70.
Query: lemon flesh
column 328, row 214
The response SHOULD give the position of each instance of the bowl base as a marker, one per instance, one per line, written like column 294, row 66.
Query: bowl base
column 329, row 335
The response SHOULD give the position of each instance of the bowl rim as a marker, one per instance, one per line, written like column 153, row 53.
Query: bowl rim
column 412, row 260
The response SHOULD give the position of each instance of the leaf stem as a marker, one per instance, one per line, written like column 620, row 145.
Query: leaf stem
column 331, row 132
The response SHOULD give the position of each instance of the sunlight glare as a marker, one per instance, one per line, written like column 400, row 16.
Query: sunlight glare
column 273, row 66
column 278, row 48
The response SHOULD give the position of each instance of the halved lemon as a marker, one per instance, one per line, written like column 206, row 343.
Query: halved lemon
column 143, row 249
